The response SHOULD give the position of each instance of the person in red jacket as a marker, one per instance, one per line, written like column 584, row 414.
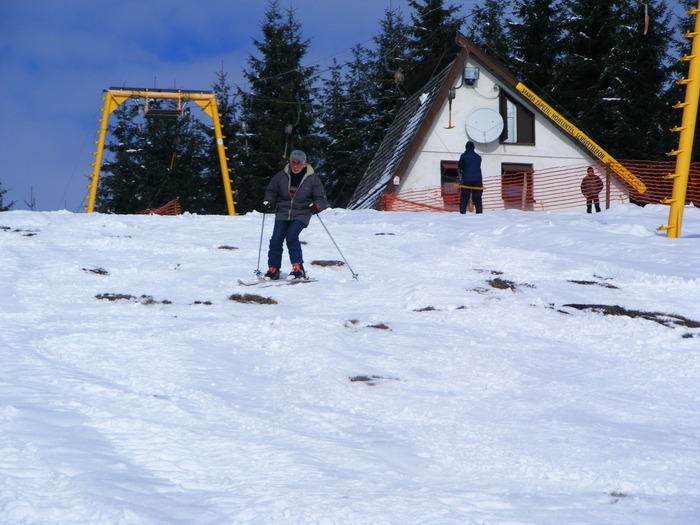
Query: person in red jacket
column 591, row 186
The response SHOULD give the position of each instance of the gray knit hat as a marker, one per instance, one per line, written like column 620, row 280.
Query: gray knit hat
column 297, row 155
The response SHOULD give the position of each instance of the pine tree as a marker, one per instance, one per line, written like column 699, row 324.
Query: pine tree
column 640, row 103
column 612, row 75
column 359, row 106
column 346, row 148
column 432, row 44
column 121, row 188
column 433, row 30
column 380, row 74
column 192, row 179
column 536, row 40
column 279, row 100
column 337, row 126
column 488, row 29
column 4, row 207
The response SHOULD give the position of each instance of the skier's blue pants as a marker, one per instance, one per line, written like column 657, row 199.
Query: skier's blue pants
column 285, row 231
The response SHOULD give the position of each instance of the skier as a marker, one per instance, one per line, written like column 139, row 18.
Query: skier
column 591, row 186
column 295, row 193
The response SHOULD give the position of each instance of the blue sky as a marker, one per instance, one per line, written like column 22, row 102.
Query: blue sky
column 57, row 57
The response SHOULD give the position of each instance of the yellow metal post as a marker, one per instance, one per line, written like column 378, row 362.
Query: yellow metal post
column 687, row 132
column 111, row 103
column 211, row 108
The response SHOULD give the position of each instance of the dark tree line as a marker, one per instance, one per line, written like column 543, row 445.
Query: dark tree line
column 604, row 63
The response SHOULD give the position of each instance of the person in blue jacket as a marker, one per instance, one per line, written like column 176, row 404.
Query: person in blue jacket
column 469, row 171
column 296, row 193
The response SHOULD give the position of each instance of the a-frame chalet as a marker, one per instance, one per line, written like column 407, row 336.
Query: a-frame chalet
column 532, row 158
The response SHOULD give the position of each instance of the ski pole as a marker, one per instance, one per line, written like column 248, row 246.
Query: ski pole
column 262, row 229
column 354, row 275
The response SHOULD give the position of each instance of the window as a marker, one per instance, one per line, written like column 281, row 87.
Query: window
column 518, row 122
column 448, row 188
column 516, row 186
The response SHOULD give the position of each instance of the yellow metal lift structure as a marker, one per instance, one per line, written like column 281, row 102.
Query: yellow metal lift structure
column 114, row 97
column 687, row 132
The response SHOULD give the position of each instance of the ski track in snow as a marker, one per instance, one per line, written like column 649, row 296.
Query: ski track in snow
column 484, row 405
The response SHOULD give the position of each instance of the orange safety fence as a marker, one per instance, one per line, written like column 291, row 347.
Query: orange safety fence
column 659, row 186
column 551, row 189
column 172, row 208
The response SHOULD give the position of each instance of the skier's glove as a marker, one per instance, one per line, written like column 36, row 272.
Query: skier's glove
column 266, row 206
column 313, row 208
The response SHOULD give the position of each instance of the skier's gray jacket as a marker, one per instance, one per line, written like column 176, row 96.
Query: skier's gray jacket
column 298, row 207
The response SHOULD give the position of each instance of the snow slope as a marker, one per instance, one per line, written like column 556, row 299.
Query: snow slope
column 449, row 384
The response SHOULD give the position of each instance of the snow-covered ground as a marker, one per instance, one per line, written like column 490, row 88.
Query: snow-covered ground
column 449, row 384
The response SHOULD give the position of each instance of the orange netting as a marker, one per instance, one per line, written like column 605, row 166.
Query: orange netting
column 172, row 208
column 550, row 189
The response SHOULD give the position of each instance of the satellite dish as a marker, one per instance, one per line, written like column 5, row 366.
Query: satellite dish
column 484, row 125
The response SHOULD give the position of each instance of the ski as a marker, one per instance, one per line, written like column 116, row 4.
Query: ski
column 278, row 282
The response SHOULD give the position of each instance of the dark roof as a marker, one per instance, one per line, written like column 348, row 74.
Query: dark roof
column 397, row 140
